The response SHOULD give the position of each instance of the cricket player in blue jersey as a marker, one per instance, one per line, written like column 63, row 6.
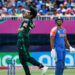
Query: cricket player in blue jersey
column 58, row 39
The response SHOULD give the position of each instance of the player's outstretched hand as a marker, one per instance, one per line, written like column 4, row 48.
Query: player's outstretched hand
column 53, row 53
column 72, row 50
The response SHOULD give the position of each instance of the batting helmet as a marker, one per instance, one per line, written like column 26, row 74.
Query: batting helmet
column 58, row 18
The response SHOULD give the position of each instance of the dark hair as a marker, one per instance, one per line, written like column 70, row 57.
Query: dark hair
column 33, row 12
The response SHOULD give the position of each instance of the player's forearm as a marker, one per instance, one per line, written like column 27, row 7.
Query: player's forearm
column 52, row 42
column 67, row 42
column 52, row 46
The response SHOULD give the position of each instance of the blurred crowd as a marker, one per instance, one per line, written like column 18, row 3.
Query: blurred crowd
column 44, row 7
column 67, row 8
column 17, row 7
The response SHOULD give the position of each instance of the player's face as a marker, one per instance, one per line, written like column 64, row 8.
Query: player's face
column 59, row 22
column 27, row 14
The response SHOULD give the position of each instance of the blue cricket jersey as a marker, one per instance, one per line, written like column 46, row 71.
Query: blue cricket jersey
column 59, row 42
column 59, row 35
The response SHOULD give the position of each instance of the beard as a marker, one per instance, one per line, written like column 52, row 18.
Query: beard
column 59, row 24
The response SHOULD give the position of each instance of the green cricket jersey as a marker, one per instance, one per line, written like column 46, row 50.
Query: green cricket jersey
column 25, row 33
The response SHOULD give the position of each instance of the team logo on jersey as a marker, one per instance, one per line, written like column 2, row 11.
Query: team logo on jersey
column 62, row 35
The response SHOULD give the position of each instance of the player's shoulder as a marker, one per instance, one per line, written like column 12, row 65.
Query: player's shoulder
column 53, row 31
column 54, row 28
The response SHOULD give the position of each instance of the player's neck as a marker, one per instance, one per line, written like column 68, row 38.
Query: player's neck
column 60, row 27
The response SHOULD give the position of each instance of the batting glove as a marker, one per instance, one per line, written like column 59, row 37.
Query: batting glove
column 53, row 53
column 72, row 50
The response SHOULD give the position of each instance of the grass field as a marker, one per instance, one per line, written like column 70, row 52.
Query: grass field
column 38, row 72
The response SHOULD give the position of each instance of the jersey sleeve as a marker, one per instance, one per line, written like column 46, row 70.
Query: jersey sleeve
column 53, row 32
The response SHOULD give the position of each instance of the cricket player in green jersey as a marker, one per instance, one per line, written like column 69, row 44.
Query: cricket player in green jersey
column 23, row 42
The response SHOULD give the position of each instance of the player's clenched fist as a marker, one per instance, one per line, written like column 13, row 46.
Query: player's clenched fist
column 53, row 53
